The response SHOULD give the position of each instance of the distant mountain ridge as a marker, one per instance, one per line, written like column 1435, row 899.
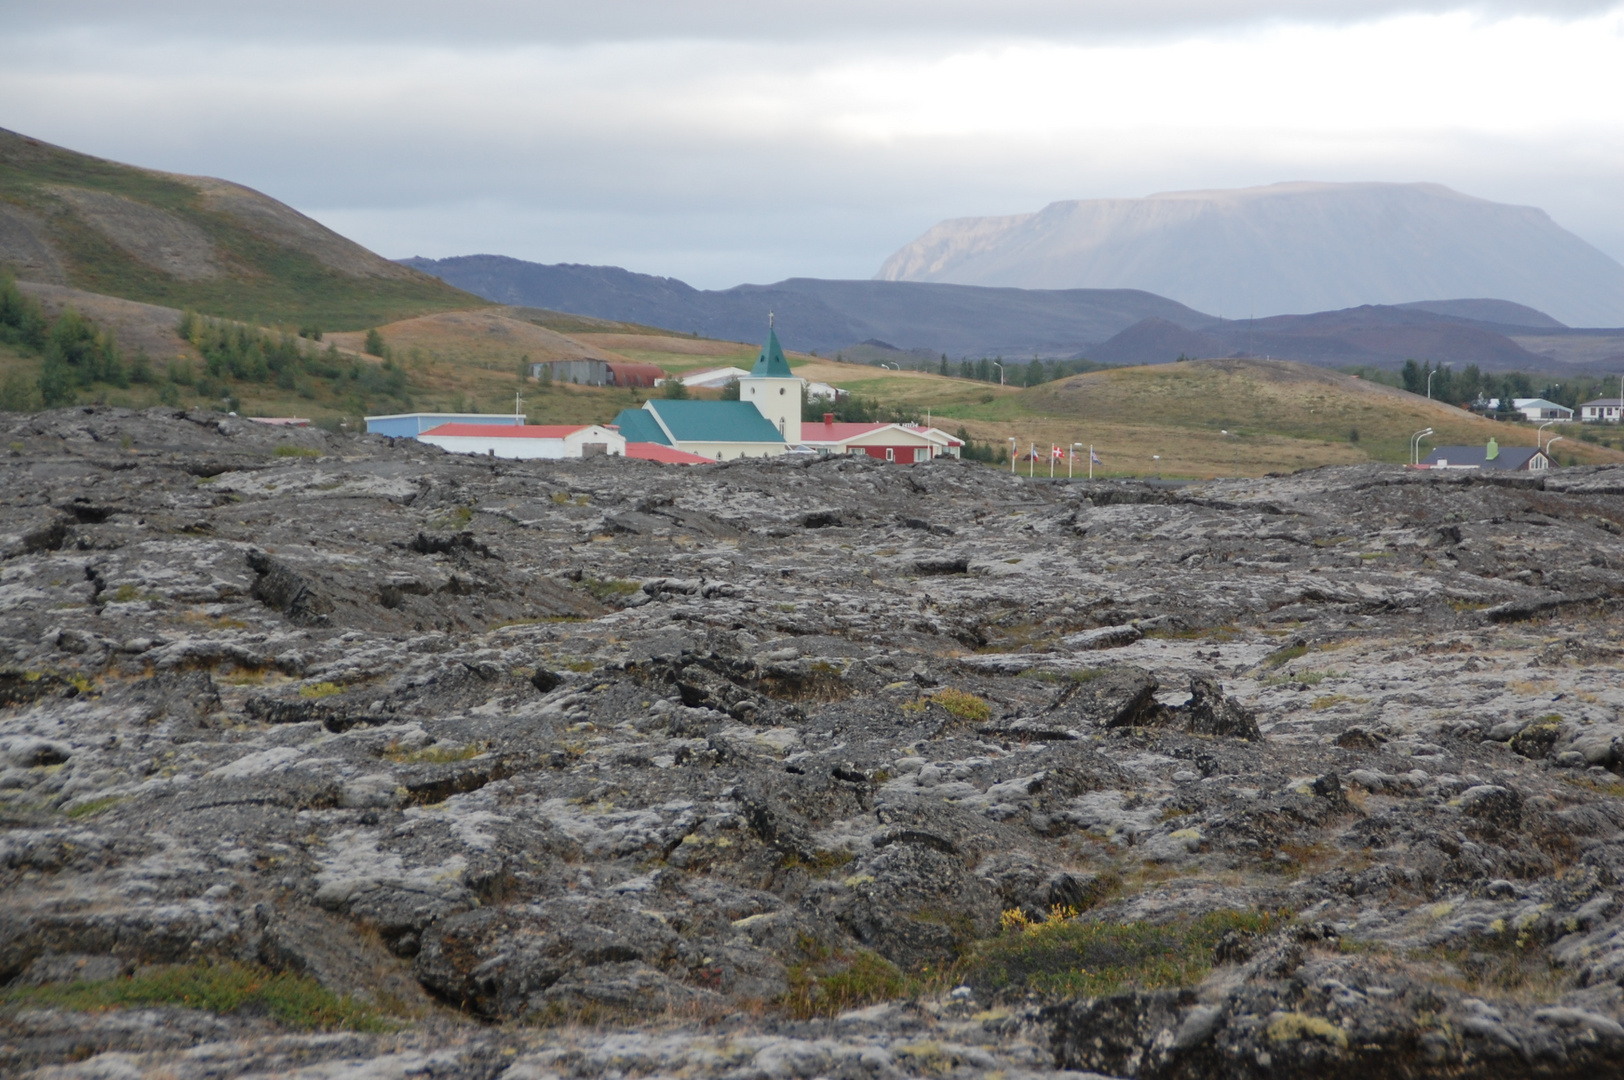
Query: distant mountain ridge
column 1284, row 248
column 824, row 315
column 1107, row 326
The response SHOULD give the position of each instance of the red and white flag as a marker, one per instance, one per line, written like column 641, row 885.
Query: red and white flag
column 1057, row 453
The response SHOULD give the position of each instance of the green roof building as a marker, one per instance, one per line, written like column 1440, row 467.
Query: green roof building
column 765, row 421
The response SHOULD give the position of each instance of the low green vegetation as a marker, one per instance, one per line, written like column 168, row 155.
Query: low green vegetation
column 296, row 1001
column 608, row 589
column 1065, row 957
column 830, row 982
column 962, row 704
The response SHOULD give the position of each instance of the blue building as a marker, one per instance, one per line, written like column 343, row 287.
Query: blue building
column 411, row 425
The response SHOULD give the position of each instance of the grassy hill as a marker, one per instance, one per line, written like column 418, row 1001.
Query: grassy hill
column 185, row 241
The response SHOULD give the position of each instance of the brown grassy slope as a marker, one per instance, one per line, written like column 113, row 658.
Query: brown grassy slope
column 1280, row 416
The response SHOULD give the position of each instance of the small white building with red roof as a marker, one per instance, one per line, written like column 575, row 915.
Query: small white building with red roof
column 527, row 440
column 905, row 443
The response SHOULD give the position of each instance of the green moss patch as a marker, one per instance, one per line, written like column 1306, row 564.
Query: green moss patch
column 1063, row 958
column 295, row 1001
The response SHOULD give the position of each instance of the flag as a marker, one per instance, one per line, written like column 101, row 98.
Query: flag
column 1095, row 458
column 1057, row 452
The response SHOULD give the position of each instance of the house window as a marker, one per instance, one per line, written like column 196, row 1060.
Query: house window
column 922, row 453
column 890, row 454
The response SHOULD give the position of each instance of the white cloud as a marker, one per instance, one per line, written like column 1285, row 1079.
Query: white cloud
column 722, row 152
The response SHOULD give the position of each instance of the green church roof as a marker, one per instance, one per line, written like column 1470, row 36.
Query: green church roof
column 771, row 363
column 714, row 421
column 639, row 425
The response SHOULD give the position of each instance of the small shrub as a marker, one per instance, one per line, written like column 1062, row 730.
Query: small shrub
column 320, row 690
column 834, row 983
column 297, row 451
column 1285, row 655
column 964, row 705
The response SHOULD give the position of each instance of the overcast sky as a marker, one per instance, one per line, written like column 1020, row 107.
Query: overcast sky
column 747, row 140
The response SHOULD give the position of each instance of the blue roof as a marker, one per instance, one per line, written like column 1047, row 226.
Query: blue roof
column 639, row 425
column 714, row 421
column 771, row 364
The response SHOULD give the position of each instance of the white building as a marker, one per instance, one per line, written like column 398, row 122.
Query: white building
column 1604, row 410
column 527, row 440
column 1540, row 411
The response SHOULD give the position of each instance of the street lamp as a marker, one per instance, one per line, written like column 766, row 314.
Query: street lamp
column 1237, row 448
column 1539, row 436
column 1415, row 445
column 1552, row 443
column 1000, row 368
column 1430, row 374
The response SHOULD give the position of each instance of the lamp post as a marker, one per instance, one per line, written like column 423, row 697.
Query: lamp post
column 1000, row 368
column 1430, row 374
column 1539, row 436
column 1415, row 445
column 1012, row 456
column 1552, row 443
column 1236, row 445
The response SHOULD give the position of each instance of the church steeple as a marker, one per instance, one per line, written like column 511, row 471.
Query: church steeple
column 771, row 364
column 774, row 389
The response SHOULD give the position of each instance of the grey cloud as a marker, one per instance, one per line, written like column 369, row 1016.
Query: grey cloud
column 569, row 21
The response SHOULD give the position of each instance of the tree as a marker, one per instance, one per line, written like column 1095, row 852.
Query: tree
column 730, row 392
column 674, row 388
column 374, row 345
column 943, row 369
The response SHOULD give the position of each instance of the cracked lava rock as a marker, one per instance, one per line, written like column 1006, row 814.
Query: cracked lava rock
column 798, row 768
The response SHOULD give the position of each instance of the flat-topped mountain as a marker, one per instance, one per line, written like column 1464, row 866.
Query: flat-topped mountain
column 1284, row 248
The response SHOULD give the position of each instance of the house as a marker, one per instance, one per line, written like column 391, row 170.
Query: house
column 527, row 440
column 411, row 425
column 764, row 422
column 1605, row 409
column 1491, row 456
column 907, row 443
column 825, row 391
column 1539, row 410
column 708, row 378
column 588, row 372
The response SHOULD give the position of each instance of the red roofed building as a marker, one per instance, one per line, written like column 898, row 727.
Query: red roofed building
column 905, row 443
column 527, row 440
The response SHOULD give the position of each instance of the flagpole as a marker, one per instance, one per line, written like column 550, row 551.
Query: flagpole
column 1051, row 463
column 1032, row 461
column 1091, row 461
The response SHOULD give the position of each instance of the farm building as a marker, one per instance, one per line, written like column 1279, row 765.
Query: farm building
column 411, row 425
column 527, row 440
column 598, row 372
column 1539, row 410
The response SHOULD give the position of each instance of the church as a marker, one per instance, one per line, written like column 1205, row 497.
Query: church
column 764, row 422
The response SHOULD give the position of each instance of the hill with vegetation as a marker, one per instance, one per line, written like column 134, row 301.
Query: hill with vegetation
column 222, row 249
